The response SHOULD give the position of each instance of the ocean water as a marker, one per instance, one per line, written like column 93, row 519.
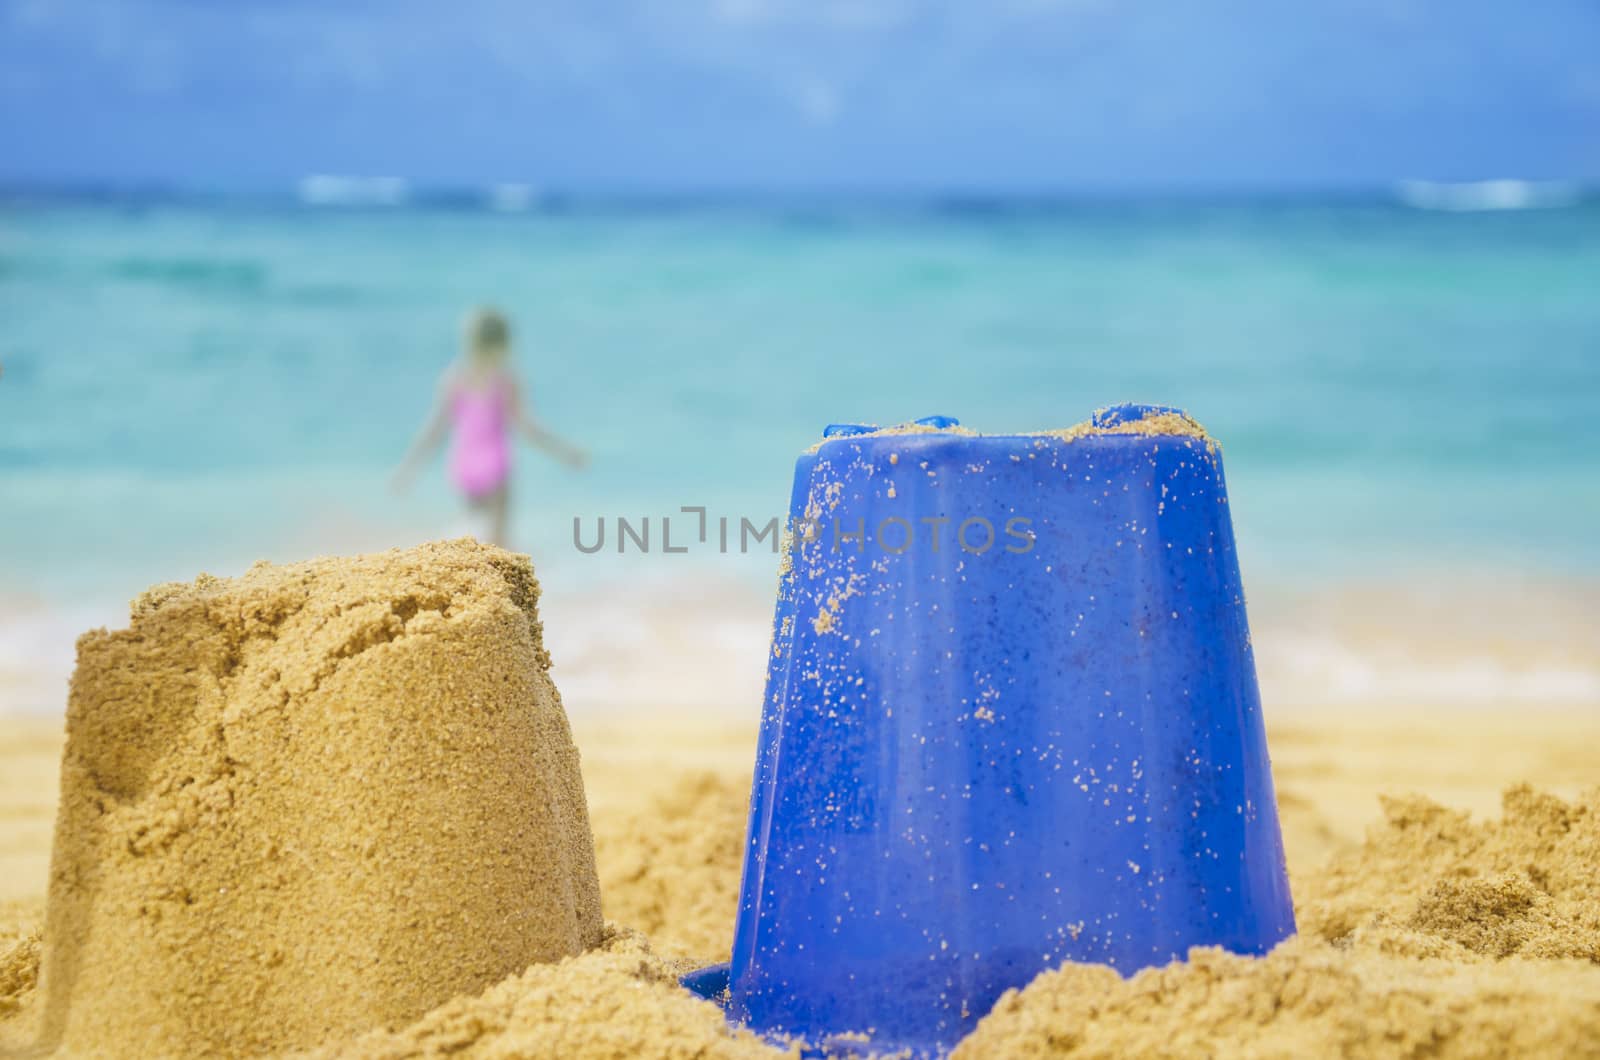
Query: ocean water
column 191, row 385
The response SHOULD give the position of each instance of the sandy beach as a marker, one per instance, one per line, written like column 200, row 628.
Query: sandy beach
column 340, row 808
column 667, row 798
column 602, row 531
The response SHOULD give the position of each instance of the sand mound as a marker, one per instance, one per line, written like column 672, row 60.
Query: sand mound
column 1305, row 999
column 1401, row 953
column 19, row 972
column 1429, row 882
column 617, row 1002
column 311, row 801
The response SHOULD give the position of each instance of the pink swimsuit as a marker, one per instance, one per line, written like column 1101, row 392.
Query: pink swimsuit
column 480, row 454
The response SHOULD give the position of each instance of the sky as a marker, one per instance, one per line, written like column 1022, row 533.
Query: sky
column 687, row 95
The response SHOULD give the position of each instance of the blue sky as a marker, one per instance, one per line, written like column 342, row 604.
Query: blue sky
column 1022, row 95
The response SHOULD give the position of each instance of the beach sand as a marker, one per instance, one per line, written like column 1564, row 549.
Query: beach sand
column 1445, row 863
column 667, row 797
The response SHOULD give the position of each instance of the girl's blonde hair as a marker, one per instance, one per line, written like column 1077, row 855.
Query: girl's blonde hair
column 488, row 335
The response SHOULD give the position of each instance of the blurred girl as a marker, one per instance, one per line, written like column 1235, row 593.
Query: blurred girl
column 480, row 406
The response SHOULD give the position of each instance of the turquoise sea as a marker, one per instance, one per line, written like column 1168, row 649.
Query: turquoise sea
column 192, row 384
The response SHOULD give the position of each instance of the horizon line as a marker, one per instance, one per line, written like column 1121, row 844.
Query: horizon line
column 351, row 191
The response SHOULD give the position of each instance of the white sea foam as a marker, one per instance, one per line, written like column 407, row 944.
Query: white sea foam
column 695, row 642
column 513, row 198
column 329, row 189
column 1300, row 668
column 38, row 648
column 1488, row 195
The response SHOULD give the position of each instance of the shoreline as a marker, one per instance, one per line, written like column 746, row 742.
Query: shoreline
column 693, row 640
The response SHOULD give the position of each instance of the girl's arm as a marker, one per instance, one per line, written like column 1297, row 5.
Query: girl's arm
column 429, row 438
column 538, row 436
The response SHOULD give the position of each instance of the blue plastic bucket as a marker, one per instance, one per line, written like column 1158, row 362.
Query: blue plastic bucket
column 1011, row 720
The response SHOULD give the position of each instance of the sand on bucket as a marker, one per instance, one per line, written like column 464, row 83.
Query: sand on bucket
column 311, row 801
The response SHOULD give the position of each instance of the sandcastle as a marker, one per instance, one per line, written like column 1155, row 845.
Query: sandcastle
column 310, row 801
